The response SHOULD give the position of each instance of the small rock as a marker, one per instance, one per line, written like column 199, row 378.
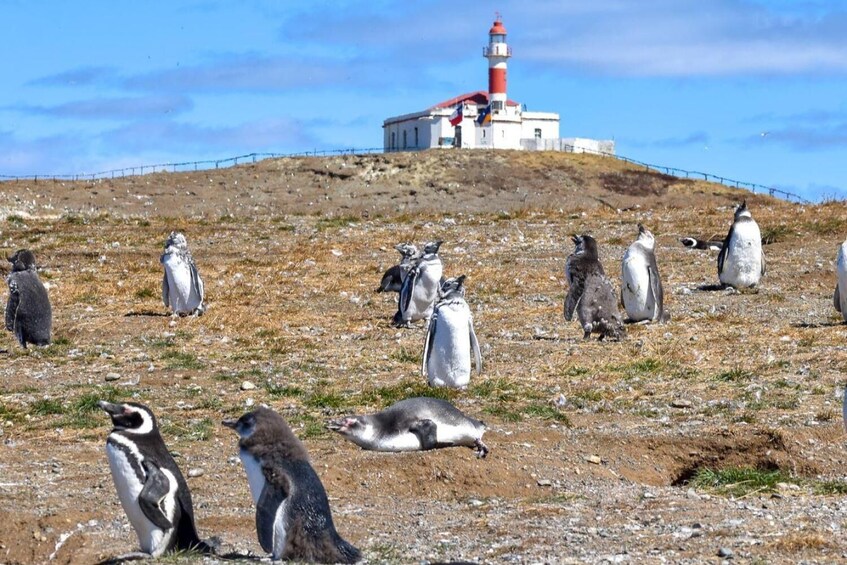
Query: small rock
column 680, row 403
column 247, row 385
column 544, row 482
column 337, row 252
column 475, row 502
column 112, row 377
column 649, row 494
column 195, row 473
column 595, row 459
column 725, row 552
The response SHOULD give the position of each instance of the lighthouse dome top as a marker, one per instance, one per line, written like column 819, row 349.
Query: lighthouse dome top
column 497, row 28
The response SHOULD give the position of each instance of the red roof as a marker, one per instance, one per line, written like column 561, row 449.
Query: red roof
column 480, row 98
column 497, row 28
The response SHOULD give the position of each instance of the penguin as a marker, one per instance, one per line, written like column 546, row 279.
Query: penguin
column 641, row 286
column 28, row 311
column 694, row 243
column 591, row 294
column 182, row 287
column 420, row 287
column 151, row 488
column 450, row 339
column 293, row 518
column 839, row 299
column 741, row 262
column 414, row 424
column 392, row 280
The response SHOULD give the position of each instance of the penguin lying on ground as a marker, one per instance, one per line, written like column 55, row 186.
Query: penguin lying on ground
column 182, row 287
column 590, row 294
column 694, row 243
column 641, row 285
column 741, row 262
column 420, row 287
column 293, row 519
column 414, row 424
column 28, row 312
column 450, row 339
column 151, row 488
column 392, row 280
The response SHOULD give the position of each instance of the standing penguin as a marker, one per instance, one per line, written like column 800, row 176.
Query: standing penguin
column 392, row 280
column 28, row 311
column 591, row 294
column 641, row 285
column 450, row 339
column 420, row 288
column 414, row 424
column 293, row 519
column 151, row 489
column 839, row 299
column 741, row 262
column 182, row 287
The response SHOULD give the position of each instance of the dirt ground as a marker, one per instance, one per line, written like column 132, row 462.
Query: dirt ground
column 594, row 445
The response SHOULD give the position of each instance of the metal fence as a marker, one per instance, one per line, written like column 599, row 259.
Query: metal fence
column 253, row 157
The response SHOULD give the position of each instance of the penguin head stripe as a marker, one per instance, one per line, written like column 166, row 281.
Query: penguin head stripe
column 244, row 426
column 432, row 246
column 646, row 237
column 177, row 239
column 742, row 211
column 452, row 287
column 130, row 417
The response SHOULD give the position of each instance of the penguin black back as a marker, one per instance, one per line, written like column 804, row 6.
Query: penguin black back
column 293, row 517
column 28, row 311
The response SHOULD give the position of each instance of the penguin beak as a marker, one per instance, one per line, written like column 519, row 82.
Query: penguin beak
column 575, row 238
column 230, row 423
column 335, row 425
column 110, row 409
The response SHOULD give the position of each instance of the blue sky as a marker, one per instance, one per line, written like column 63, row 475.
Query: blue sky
column 692, row 84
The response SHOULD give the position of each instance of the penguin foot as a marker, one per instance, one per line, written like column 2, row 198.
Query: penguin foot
column 481, row 449
column 134, row 556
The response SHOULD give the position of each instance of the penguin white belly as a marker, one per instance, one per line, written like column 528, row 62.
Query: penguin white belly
column 151, row 539
column 638, row 300
column 742, row 265
column 841, row 269
column 426, row 291
column 182, row 295
column 450, row 355
column 456, row 435
column 405, row 441
column 280, row 530
column 255, row 476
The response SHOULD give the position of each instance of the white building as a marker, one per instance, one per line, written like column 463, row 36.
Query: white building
column 483, row 119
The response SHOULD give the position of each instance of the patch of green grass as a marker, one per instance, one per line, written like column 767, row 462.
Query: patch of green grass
column 403, row 355
column 506, row 413
column 827, row 226
column 74, row 219
column 265, row 332
column 739, row 481
column 195, row 430
column 181, row 360
column 82, row 412
column 774, row 234
column 734, row 375
column 46, row 407
column 15, row 219
column 829, row 487
column 307, row 426
column 336, row 222
column 582, row 398
column 7, row 413
column 145, row 292
column 576, row 371
column 499, row 389
column 546, row 412
column 210, row 403
column 325, row 400
column 649, row 366
column 387, row 395
column 276, row 390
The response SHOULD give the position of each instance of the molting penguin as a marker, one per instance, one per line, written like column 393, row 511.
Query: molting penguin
column 839, row 299
column 151, row 489
column 293, row 518
column 414, row 424
column 182, row 287
column 641, row 285
column 741, row 262
column 28, row 311
column 450, row 339
column 420, row 288
column 591, row 294
column 392, row 280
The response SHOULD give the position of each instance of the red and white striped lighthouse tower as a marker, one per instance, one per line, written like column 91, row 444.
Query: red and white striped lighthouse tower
column 497, row 53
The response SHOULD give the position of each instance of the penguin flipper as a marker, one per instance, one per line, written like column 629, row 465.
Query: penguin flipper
column 12, row 305
column 764, row 264
column 571, row 302
column 273, row 495
column 836, row 301
column 407, row 290
column 165, row 291
column 430, row 337
column 197, row 282
column 156, row 487
column 725, row 250
column 425, row 430
column 656, row 290
column 475, row 347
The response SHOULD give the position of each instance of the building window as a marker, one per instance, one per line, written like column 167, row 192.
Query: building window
column 416, row 137
column 537, row 133
column 483, row 134
column 393, row 142
column 502, row 133
column 497, row 105
column 404, row 139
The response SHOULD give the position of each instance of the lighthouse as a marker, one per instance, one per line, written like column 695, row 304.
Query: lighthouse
column 497, row 52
